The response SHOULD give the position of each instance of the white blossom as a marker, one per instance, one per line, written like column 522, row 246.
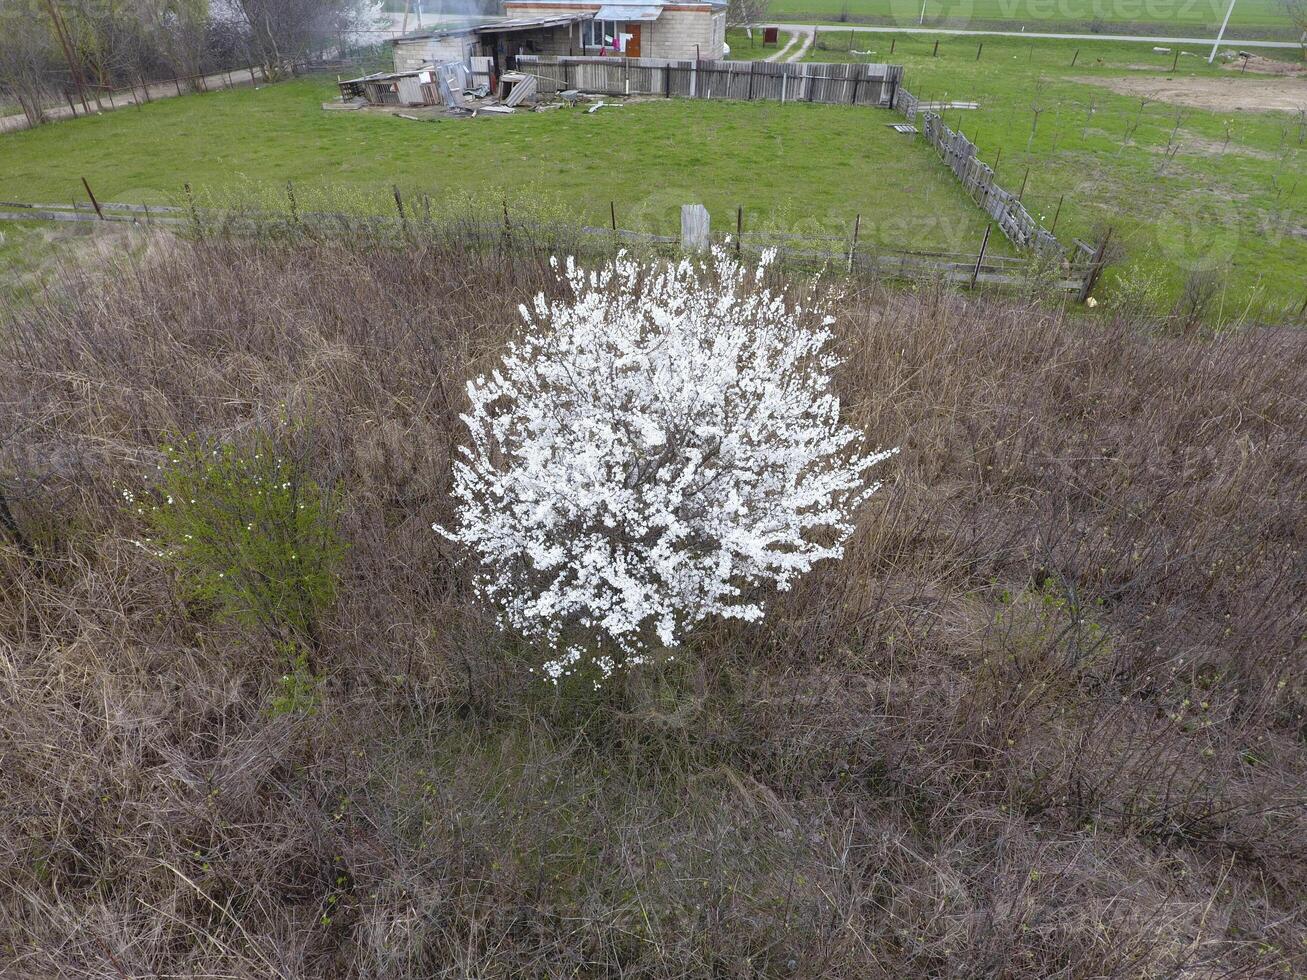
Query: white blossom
column 657, row 446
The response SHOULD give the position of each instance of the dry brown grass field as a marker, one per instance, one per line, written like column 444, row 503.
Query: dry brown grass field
column 1046, row 719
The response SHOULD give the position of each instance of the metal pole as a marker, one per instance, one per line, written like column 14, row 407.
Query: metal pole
column 1228, row 11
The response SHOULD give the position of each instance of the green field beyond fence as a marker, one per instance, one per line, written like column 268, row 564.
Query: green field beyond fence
column 798, row 169
column 1187, row 18
column 1193, row 170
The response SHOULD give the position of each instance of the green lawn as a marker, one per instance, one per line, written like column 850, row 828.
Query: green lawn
column 745, row 48
column 1197, row 18
column 806, row 169
column 1232, row 197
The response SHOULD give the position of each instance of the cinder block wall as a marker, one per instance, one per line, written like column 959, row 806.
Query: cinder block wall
column 420, row 51
column 676, row 32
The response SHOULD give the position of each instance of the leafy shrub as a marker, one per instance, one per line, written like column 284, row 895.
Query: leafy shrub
column 657, row 446
column 246, row 530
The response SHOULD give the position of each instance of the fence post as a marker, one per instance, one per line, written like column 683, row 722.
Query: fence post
column 694, row 227
column 1022, row 193
column 853, row 246
column 94, row 203
column 399, row 206
column 1057, row 214
column 1096, row 268
column 984, row 244
column 739, row 228
column 194, row 211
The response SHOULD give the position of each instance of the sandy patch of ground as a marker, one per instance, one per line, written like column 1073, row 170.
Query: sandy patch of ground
column 1192, row 145
column 1266, row 66
column 1216, row 94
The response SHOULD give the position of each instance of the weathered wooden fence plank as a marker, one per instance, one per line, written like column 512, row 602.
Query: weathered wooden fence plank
column 838, row 83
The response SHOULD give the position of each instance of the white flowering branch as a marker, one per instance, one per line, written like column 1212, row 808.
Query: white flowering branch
column 654, row 447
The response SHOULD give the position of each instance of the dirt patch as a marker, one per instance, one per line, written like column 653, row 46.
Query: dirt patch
column 1266, row 66
column 1192, row 145
column 1216, row 94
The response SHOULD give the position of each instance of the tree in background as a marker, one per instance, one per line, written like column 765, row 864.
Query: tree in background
column 283, row 33
column 28, row 59
column 746, row 13
column 1297, row 11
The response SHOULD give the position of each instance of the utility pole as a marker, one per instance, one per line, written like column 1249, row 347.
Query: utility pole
column 1228, row 11
column 62, row 32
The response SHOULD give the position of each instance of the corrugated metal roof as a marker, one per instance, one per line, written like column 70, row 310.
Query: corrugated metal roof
column 627, row 12
column 497, row 26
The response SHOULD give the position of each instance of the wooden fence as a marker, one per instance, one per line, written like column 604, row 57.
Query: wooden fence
column 960, row 155
column 846, row 84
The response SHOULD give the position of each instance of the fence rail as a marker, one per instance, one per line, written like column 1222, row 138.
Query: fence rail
column 844, row 84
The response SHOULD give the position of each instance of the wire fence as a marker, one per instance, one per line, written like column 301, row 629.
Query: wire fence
column 416, row 222
column 69, row 103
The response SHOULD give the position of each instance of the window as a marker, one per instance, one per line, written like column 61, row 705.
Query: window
column 603, row 34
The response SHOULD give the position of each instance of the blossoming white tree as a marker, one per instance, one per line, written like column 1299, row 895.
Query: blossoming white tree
column 657, row 446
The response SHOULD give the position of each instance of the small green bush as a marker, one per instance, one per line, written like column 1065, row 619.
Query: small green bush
column 246, row 530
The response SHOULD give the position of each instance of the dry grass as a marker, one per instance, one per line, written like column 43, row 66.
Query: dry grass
column 1045, row 721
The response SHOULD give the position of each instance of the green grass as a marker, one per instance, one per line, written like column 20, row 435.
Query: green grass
column 1242, row 208
column 744, row 48
column 1251, row 18
column 796, row 168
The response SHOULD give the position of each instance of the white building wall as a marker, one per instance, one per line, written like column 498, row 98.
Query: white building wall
column 676, row 33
